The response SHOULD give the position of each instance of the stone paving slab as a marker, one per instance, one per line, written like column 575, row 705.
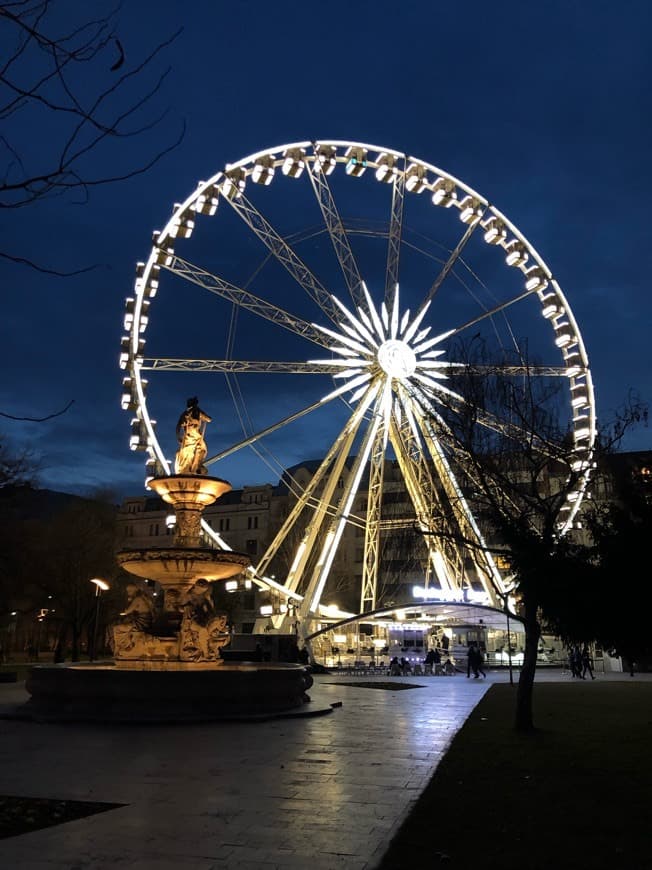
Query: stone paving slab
column 314, row 793
column 322, row 792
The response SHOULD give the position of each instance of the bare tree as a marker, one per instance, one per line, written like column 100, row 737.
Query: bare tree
column 17, row 467
column 68, row 549
column 514, row 458
column 71, row 99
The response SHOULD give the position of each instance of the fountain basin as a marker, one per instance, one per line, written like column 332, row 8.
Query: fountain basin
column 183, row 693
column 189, row 490
column 179, row 565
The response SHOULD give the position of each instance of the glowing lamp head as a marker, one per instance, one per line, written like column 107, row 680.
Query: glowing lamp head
column 397, row 359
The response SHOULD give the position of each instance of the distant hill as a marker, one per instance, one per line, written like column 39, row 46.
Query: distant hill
column 27, row 503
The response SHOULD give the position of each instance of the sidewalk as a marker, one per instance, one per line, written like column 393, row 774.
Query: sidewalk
column 320, row 792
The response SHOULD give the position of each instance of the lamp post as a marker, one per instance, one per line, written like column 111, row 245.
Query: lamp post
column 12, row 629
column 100, row 587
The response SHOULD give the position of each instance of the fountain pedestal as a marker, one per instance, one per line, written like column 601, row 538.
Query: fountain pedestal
column 189, row 494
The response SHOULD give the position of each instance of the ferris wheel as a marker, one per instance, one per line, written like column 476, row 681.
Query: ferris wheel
column 327, row 283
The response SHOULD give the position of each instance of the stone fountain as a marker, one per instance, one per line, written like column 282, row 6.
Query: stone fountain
column 168, row 665
column 188, row 633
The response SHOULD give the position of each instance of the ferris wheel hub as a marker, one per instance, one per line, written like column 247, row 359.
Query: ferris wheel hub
column 397, row 359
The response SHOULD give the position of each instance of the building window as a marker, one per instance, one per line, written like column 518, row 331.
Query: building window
column 153, row 530
column 252, row 522
column 252, row 547
column 225, row 524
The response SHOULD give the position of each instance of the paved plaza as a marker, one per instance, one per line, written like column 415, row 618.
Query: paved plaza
column 320, row 792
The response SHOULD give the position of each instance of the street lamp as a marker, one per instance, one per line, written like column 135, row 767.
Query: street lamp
column 100, row 587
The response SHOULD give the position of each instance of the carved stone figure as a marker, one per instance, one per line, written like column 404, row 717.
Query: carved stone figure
column 190, row 435
column 218, row 635
column 203, row 632
column 131, row 631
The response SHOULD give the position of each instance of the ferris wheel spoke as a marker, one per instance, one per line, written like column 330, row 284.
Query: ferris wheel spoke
column 461, row 512
column 330, row 473
column 276, row 426
column 448, row 265
column 230, row 366
column 394, row 239
column 503, row 306
column 322, row 568
column 307, row 498
column 372, row 524
column 422, row 493
column 507, row 371
column 456, row 403
column 337, row 232
column 516, row 433
column 285, row 255
column 244, row 299
column 508, row 429
column 263, row 432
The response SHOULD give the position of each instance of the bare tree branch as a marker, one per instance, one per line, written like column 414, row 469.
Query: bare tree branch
column 46, row 270
column 52, row 93
column 38, row 419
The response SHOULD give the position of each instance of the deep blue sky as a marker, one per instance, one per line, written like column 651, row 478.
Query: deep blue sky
column 543, row 108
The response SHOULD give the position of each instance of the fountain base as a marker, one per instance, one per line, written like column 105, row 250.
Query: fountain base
column 184, row 692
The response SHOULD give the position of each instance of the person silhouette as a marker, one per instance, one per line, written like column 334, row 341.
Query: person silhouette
column 474, row 663
column 586, row 663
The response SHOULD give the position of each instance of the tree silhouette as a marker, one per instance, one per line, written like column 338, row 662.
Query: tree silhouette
column 514, row 459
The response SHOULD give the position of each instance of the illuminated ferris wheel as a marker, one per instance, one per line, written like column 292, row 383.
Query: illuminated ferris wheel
column 327, row 283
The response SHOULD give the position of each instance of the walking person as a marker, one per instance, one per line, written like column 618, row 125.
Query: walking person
column 575, row 662
column 586, row 663
column 479, row 662
column 472, row 661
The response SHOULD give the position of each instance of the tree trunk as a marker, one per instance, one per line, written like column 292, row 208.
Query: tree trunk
column 60, row 646
column 76, row 638
column 524, row 720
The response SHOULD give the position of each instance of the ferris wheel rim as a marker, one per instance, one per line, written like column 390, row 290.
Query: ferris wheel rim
column 578, row 373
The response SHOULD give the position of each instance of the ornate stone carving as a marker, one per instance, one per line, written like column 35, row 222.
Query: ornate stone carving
column 130, row 632
column 203, row 632
column 199, row 638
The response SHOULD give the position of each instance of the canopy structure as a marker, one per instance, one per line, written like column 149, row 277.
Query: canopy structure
column 448, row 613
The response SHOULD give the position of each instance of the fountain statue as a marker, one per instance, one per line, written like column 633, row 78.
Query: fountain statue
column 190, row 435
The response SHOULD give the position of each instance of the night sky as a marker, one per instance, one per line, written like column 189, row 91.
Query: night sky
column 542, row 108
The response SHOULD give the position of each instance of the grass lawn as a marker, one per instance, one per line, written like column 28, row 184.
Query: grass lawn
column 575, row 794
